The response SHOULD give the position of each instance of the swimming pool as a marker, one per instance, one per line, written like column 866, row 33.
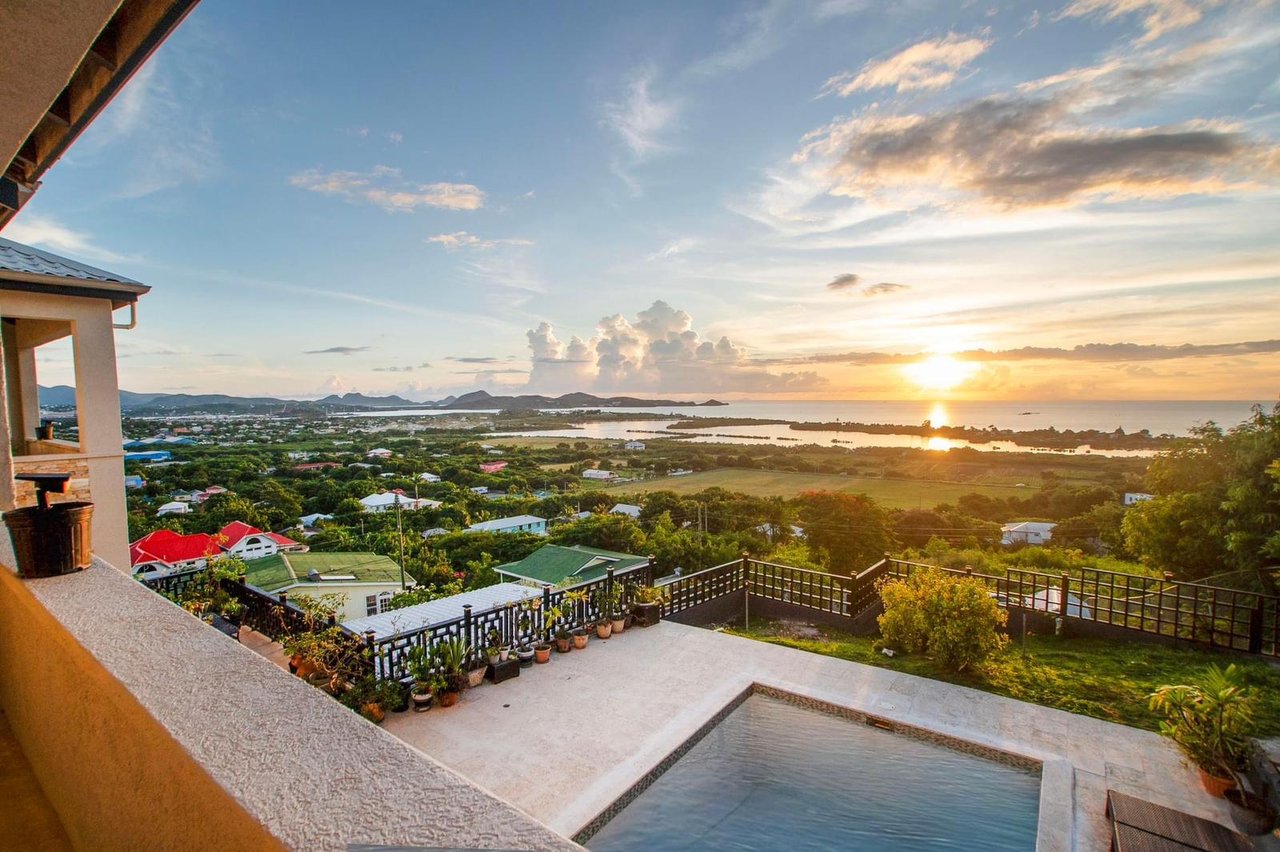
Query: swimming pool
column 773, row 775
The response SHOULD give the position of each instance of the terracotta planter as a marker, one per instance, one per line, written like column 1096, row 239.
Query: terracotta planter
column 604, row 629
column 373, row 712
column 475, row 677
column 449, row 698
column 619, row 624
column 1214, row 785
column 421, row 701
column 303, row 667
column 563, row 645
column 580, row 640
column 542, row 654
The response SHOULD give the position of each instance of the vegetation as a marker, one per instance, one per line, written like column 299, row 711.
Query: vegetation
column 1210, row 719
column 1095, row 677
column 953, row 621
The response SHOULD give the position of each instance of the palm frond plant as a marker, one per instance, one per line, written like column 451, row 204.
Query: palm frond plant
column 1211, row 722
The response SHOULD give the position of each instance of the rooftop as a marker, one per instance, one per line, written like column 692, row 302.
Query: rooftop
column 506, row 523
column 552, row 563
column 24, row 267
column 443, row 609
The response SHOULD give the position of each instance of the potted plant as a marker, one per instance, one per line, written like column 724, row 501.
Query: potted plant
column 542, row 652
column 494, row 654
column 553, row 619
column 579, row 635
column 1210, row 722
column 451, row 661
column 441, row 688
column 525, row 654
column 366, row 697
column 418, row 661
column 604, row 628
column 647, row 606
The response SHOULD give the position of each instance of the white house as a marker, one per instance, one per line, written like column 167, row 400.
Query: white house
column 1026, row 532
column 680, row 471
column 313, row 519
column 239, row 539
column 1132, row 498
column 1050, row 601
column 631, row 511
column 429, row 477
column 434, row 531
column 387, row 501
column 595, row 473
column 395, row 621
column 174, row 508
column 516, row 523
column 479, row 489
column 633, row 445
column 378, row 453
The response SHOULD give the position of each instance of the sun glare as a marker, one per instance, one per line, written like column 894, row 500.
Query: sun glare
column 939, row 372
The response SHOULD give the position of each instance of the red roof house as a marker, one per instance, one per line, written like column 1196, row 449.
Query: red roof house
column 166, row 550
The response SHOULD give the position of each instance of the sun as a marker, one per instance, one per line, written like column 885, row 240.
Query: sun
column 939, row 372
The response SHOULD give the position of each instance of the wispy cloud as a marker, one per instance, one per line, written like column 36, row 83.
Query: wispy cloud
column 385, row 187
column 849, row 282
column 754, row 35
column 462, row 239
column 473, row 359
column 642, row 122
column 337, row 350
column 47, row 232
column 932, row 64
column 405, row 369
column 846, row 281
column 1087, row 352
column 1158, row 16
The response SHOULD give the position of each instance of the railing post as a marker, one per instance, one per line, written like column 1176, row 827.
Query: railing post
column 369, row 640
column 608, row 591
column 546, row 607
column 1255, row 628
column 283, row 597
column 467, row 627
column 746, row 590
column 649, row 570
column 1062, row 602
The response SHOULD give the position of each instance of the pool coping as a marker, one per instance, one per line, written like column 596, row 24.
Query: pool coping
column 1054, row 818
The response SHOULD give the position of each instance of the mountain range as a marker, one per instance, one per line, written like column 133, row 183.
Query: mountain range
column 64, row 396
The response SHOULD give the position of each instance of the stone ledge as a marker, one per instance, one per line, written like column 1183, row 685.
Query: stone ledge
column 316, row 775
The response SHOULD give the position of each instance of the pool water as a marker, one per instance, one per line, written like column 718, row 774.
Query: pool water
column 773, row 775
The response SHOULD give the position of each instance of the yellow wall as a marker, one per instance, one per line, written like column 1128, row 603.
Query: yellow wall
column 116, row 777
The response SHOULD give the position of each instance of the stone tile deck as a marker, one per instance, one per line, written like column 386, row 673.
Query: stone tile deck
column 565, row 739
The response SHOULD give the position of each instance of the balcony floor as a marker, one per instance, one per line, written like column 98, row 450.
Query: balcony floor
column 27, row 820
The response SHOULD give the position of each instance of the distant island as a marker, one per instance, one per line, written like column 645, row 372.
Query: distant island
column 64, row 397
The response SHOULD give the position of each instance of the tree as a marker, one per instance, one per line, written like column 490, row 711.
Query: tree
column 1179, row 533
column 852, row 528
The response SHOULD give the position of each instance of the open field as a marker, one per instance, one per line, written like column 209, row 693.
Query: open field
column 894, row 493
column 1096, row 677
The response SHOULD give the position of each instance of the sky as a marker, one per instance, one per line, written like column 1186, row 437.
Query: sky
column 785, row 199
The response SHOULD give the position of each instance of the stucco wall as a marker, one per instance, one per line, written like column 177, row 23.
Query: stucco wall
column 151, row 730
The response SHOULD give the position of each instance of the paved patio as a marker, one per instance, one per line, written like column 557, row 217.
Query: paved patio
column 566, row 739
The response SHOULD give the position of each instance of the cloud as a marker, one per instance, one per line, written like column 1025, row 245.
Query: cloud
column 847, row 281
column 932, row 64
column 385, row 187
column 1158, row 16
column 337, row 350
column 1086, row 352
column 673, row 248
column 405, row 369
column 47, row 232
column 642, row 123
column 473, row 359
column 884, row 288
column 659, row 351
column 462, row 239
column 395, row 136
column 1016, row 151
column 756, row 34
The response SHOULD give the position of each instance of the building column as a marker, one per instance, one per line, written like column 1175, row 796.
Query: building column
column 98, row 410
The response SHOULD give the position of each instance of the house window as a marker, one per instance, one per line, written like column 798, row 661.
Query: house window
column 384, row 601
column 371, row 605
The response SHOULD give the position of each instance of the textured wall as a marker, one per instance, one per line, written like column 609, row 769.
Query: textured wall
column 76, row 650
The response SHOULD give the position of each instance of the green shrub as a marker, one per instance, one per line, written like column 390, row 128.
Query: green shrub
column 953, row 620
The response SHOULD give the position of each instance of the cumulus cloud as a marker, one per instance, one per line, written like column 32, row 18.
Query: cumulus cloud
column 1158, row 16
column 337, row 350
column 462, row 239
column 658, row 350
column 385, row 187
column 931, row 64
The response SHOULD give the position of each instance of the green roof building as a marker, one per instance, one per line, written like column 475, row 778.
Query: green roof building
column 367, row 581
column 553, row 564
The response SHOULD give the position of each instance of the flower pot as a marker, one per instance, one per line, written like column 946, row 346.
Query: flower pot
column 449, row 697
column 580, row 640
column 542, row 654
column 504, row 654
column 53, row 541
column 421, row 701
column 494, row 659
column 373, row 712
column 1249, row 812
column 619, row 623
column 563, row 645
column 475, row 677
column 648, row 614
column 1215, row 785
column 604, row 629
column 525, row 655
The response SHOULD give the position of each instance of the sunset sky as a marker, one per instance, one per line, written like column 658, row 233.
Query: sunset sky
column 827, row 199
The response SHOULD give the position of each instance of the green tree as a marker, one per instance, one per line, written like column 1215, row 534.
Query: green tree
column 609, row 532
column 852, row 528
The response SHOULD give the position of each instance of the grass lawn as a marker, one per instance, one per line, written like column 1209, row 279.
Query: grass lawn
column 894, row 493
column 1093, row 677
